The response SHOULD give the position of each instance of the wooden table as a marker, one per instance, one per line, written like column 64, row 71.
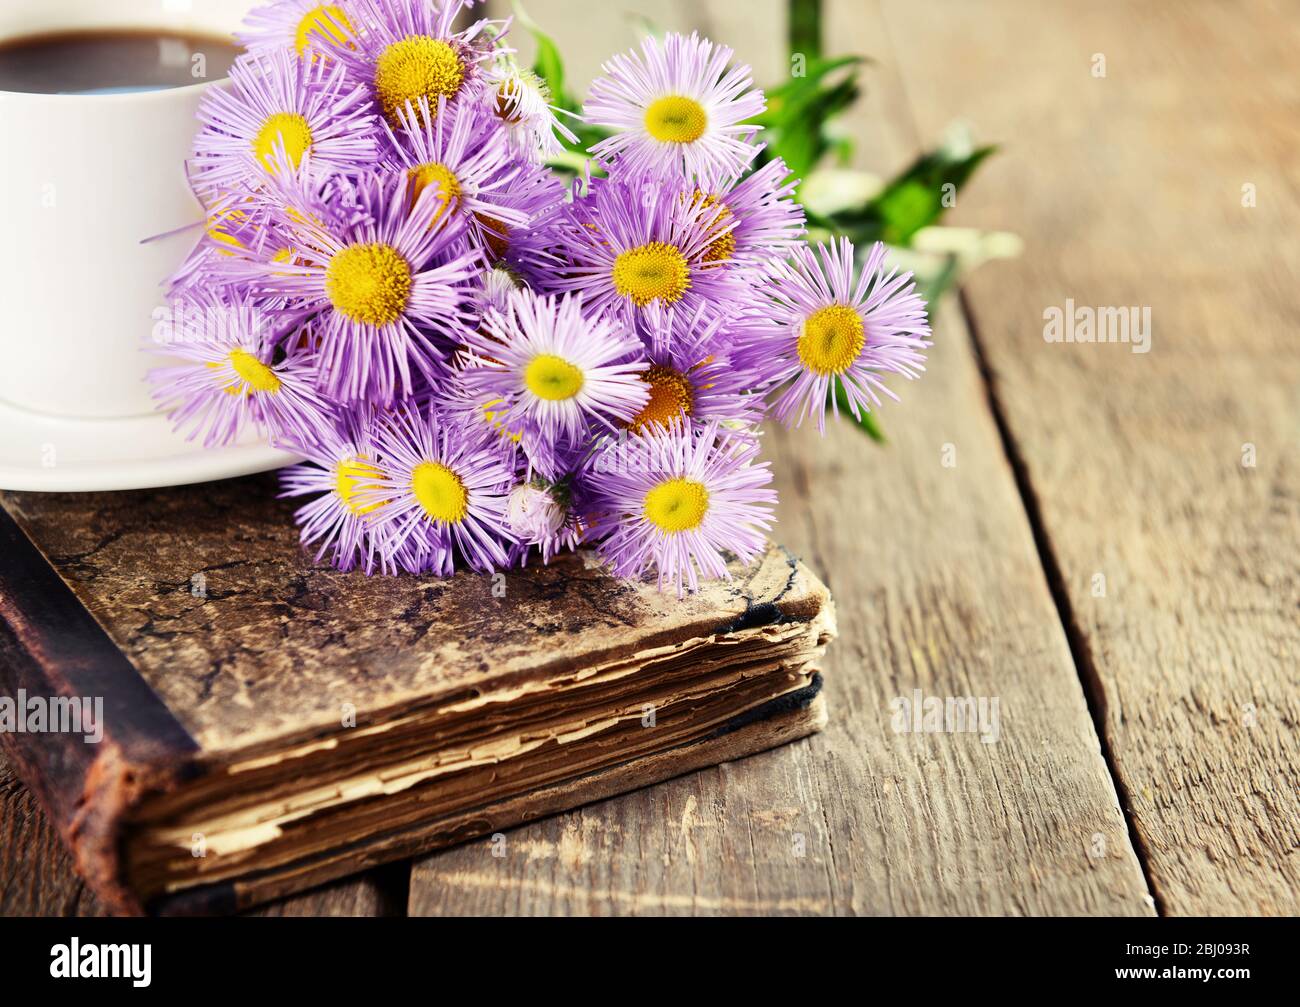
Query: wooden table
column 1104, row 541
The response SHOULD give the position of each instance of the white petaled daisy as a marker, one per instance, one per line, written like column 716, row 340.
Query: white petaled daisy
column 341, row 462
column 539, row 514
column 554, row 369
column 677, row 108
column 442, row 493
column 819, row 329
column 498, row 283
column 297, row 26
column 521, row 102
column 676, row 500
column 277, row 110
column 408, row 49
column 233, row 377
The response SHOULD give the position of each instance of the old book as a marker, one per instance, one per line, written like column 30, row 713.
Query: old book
column 268, row 725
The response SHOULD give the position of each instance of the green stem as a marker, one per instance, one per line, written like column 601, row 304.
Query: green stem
column 805, row 30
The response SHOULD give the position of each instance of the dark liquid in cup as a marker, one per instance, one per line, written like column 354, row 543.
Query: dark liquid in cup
column 111, row 62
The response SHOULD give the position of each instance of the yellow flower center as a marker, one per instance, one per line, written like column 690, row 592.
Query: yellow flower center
column 677, row 505
column 440, row 492
column 352, row 475
column 492, row 412
column 222, row 238
column 723, row 247
column 326, row 20
column 288, row 128
column 656, row 271
column 254, row 374
column 552, row 378
column 417, row 66
column 448, row 185
column 831, row 340
column 676, row 119
column 369, row 283
column 671, row 398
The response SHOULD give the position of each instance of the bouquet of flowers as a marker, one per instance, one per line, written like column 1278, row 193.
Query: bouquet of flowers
column 482, row 358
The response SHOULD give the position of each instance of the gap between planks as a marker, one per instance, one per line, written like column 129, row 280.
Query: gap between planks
column 1082, row 659
column 1083, row 663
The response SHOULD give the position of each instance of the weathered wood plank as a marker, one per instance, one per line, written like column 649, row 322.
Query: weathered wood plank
column 36, row 874
column 380, row 892
column 939, row 588
column 1177, row 555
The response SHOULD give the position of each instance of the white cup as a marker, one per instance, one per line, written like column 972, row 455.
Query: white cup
column 85, row 179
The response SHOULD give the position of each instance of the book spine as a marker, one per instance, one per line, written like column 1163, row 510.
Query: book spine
column 84, row 731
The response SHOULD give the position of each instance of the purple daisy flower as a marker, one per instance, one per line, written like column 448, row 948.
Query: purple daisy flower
column 227, row 233
column 406, row 50
column 341, row 462
column 555, row 369
column 529, row 251
column 380, row 282
column 464, row 157
column 691, row 375
column 296, row 26
column 677, row 107
column 525, row 447
column 676, row 499
column 243, row 231
column 633, row 242
column 232, row 377
column 767, row 221
column 277, row 109
column 817, row 328
column 442, row 492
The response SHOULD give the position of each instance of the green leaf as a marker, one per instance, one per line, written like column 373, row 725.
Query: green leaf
column 786, row 101
column 913, row 200
column 548, row 64
column 800, row 111
column 866, row 421
column 804, row 141
column 573, row 162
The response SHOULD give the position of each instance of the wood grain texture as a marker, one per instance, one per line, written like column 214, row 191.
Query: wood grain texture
column 381, row 892
column 36, row 873
column 1129, row 191
column 940, row 588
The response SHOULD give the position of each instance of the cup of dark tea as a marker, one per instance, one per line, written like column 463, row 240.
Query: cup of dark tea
column 98, row 102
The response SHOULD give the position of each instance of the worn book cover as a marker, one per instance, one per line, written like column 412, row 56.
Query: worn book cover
column 252, row 725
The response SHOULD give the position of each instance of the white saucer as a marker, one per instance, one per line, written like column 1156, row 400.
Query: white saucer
column 56, row 454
